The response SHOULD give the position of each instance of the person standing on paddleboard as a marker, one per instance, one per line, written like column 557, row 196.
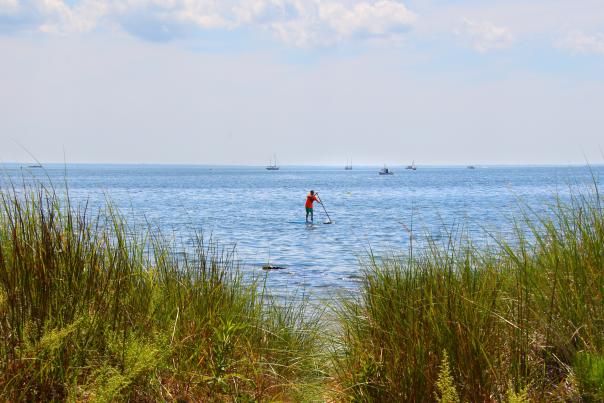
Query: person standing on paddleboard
column 310, row 198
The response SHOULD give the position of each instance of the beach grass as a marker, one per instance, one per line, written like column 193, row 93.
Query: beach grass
column 91, row 309
column 522, row 320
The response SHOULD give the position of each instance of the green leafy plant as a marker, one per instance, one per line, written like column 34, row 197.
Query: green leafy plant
column 445, row 384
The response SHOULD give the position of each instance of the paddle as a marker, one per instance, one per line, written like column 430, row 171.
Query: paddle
column 328, row 218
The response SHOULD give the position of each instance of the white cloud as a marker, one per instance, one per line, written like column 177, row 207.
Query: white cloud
column 50, row 16
column 300, row 33
column 381, row 18
column 262, row 11
column 61, row 18
column 295, row 22
column 578, row 41
column 328, row 23
column 485, row 35
column 9, row 6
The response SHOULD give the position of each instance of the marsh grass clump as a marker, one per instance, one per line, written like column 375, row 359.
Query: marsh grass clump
column 589, row 370
column 91, row 309
column 524, row 318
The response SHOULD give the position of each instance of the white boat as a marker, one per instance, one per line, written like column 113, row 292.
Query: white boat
column 412, row 166
column 385, row 171
column 272, row 165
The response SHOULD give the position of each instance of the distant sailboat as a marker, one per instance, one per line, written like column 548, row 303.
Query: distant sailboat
column 272, row 165
column 35, row 166
column 348, row 166
column 471, row 167
column 412, row 166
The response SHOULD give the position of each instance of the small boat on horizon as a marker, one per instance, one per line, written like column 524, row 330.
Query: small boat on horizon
column 385, row 171
column 272, row 165
column 348, row 165
column 36, row 166
column 412, row 166
column 471, row 167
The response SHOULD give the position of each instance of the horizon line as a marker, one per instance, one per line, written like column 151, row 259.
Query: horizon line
column 369, row 165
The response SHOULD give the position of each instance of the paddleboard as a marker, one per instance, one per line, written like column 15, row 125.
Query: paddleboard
column 300, row 222
column 310, row 225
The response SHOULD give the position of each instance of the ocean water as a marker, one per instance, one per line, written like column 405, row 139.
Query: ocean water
column 261, row 213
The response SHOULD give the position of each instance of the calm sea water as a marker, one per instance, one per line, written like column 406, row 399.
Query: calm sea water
column 262, row 212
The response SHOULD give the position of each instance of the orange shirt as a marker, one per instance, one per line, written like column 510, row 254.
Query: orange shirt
column 310, row 199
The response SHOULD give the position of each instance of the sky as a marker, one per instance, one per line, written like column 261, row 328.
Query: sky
column 310, row 81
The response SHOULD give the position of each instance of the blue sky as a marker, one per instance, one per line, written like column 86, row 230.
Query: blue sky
column 316, row 82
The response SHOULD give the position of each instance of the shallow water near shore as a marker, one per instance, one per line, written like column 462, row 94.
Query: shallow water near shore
column 261, row 213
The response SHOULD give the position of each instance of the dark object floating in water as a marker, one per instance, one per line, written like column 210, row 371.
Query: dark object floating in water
column 35, row 166
column 271, row 267
column 471, row 167
column 385, row 171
